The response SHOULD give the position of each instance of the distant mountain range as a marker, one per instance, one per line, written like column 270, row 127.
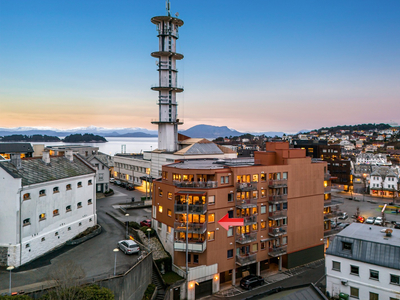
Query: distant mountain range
column 198, row 131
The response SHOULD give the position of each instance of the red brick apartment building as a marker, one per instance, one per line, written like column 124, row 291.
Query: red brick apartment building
column 279, row 194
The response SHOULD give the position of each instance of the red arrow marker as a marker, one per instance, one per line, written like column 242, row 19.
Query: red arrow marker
column 226, row 222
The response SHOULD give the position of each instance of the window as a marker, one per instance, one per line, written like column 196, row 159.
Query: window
column 354, row 292
column 27, row 196
column 89, row 182
column 169, row 229
column 27, row 246
column 189, row 258
column 160, row 209
column 346, row 246
column 43, row 239
column 262, row 245
column 263, row 225
column 68, row 186
column 169, row 212
column 284, row 240
column 90, row 220
column 354, row 270
column 394, row 279
column 254, row 248
column 284, row 175
column 42, row 217
column 79, row 205
column 255, row 194
column 373, row 296
column 254, row 227
column 169, row 195
column 263, row 209
column 336, row 266
column 226, row 179
column 26, row 222
column 56, row 233
column 89, row 201
column 42, row 193
column 69, row 228
column 263, row 194
column 211, row 235
column 79, row 184
column 222, row 179
column 230, row 253
column 160, row 193
column 263, row 177
column 255, row 178
column 55, row 190
column 211, row 218
column 373, row 274
column 211, row 200
column 68, row 208
column 80, row 224
column 196, row 258
column 230, row 231
column 55, row 212
column 230, row 197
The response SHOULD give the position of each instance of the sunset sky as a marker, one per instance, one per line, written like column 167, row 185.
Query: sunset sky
column 257, row 65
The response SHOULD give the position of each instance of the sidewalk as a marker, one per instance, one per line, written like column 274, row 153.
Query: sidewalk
column 305, row 274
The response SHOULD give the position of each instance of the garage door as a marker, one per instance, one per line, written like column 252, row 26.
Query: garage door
column 203, row 289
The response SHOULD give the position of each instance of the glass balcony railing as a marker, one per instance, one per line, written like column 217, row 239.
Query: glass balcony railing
column 246, row 186
column 332, row 214
column 248, row 220
column 196, row 185
column 246, row 259
column 276, row 215
column 198, row 247
column 277, row 183
column 277, row 251
column 192, row 227
column 277, row 199
column 246, row 203
column 245, row 238
column 193, row 208
column 277, row 231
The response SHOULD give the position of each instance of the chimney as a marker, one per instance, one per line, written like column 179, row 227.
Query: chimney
column 69, row 155
column 16, row 160
column 46, row 156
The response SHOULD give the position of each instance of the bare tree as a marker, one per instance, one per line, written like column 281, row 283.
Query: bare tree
column 66, row 276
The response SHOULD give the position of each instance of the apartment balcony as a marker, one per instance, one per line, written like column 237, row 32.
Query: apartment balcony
column 249, row 220
column 247, row 259
column 200, row 209
column 275, row 199
column 246, row 203
column 276, row 215
column 192, row 227
column 333, row 214
column 245, row 238
column 277, row 231
column 197, row 247
column 196, row 185
column 246, row 186
column 277, row 183
column 277, row 251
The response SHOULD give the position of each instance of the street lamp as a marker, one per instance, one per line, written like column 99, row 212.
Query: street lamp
column 10, row 268
column 115, row 261
column 127, row 226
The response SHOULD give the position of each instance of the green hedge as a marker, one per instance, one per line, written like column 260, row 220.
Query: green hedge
column 149, row 292
column 144, row 230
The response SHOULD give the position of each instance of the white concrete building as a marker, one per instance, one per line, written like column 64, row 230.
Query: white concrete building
column 44, row 203
column 101, row 162
column 363, row 262
column 384, row 182
column 372, row 159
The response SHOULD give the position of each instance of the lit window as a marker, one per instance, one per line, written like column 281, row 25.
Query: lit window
column 255, row 178
column 160, row 209
column 42, row 193
column 263, row 177
column 263, row 193
column 169, row 212
column 169, row 229
column 68, row 186
column 254, row 227
column 27, row 196
column 169, row 195
column 55, row 190
column 79, row 205
column 211, row 218
column 160, row 193
column 68, row 208
column 211, row 235
column 42, row 217
column 55, row 212
column 27, row 222
column 263, row 225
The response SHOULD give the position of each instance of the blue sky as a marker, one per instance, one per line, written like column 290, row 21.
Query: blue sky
column 251, row 65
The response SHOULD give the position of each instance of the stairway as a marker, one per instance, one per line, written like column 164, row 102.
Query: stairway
column 156, row 280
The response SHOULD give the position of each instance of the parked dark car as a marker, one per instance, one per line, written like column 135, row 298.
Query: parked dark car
column 117, row 182
column 397, row 225
column 251, row 281
column 123, row 184
column 342, row 226
column 130, row 187
column 145, row 223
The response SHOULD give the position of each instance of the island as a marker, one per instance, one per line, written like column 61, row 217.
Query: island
column 84, row 138
column 29, row 138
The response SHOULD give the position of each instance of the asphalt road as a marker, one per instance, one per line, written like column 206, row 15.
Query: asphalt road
column 95, row 256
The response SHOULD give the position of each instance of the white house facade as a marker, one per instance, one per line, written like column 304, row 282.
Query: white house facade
column 44, row 203
column 363, row 263
column 384, row 182
column 100, row 163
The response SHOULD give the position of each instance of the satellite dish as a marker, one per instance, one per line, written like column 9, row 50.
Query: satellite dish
column 177, row 14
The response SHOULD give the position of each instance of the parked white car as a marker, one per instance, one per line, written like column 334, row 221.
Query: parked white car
column 128, row 246
column 378, row 221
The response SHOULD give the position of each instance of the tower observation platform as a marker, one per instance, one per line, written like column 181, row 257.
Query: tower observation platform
column 167, row 86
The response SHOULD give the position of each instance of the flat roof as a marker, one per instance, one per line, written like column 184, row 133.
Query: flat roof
column 212, row 164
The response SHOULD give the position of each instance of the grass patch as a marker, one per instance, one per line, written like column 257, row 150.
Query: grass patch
column 171, row 277
column 149, row 292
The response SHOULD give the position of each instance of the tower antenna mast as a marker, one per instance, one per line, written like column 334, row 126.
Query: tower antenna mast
column 168, row 5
